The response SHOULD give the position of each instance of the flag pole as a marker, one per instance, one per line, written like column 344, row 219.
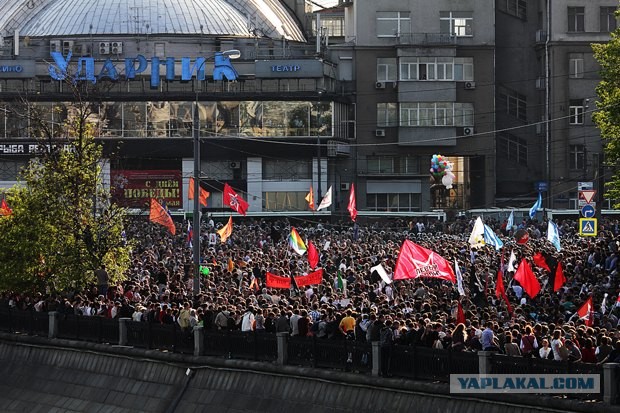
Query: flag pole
column 196, row 213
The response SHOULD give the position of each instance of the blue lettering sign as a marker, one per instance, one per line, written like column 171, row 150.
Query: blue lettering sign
column 285, row 68
column 11, row 68
column 223, row 68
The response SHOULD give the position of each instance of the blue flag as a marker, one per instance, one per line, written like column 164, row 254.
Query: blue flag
column 490, row 238
column 553, row 235
column 537, row 205
column 511, row 221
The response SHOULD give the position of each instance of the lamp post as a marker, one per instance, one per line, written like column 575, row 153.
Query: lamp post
column 318, row 147
column 231, row 54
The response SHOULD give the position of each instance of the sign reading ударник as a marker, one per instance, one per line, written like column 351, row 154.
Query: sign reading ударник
column 85, row 68
column 135, row 188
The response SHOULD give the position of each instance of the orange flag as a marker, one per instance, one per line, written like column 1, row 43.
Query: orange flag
column 231, row 264
column 5, row 211
column 160, row 216
column 226, row 230
column 204, row 194
column 310, row 199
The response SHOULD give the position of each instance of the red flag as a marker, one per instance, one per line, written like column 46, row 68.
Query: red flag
column 310, row 199
column 234, row 201
column 352, row 205
column 540, row 261
column 500, row 290
column 204, row 194
column 527, row 279
column 586, row 312
column 275, row 281
column 314, row 278
column 559, row 278
column 313, row 255
column 5, row 211
column 160, row 216
column 460, row 315
column 415, row 261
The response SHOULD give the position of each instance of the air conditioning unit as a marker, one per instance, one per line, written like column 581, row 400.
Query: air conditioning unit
column 67, row 46
column 104, row 47
column 55, row 46
column 380, row 133
column 380, row 85
column 470, row 85
column 81, row 50
column 468, row 130
column 234, row 165
column 344, row 186
column 116, row 47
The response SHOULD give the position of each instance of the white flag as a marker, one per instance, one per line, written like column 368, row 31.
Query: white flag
column 326, row 201
column 476, row 239
column 382, row 273
column 511, row 262
column 604, row 304
column 459, row 278
column 553, row 235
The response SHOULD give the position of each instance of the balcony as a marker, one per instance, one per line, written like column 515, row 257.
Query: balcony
column 426, row 39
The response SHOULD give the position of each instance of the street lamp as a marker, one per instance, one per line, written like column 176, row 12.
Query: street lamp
column 230, row 54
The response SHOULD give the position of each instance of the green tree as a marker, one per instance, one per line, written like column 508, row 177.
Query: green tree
column 63, row 225
column 607, row 117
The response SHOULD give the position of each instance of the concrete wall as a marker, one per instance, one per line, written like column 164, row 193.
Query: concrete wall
column 38, row 374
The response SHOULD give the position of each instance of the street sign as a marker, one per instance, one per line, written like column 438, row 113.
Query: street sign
column 582, row 202
column 542, row 186
column 587, row 227
column 588, row 211
column 587, row 195
column 584, row 186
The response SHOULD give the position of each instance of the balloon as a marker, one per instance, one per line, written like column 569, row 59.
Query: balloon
column 447, row 181
column 204, row 270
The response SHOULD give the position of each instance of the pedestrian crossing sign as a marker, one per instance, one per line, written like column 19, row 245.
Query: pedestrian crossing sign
column 587, row 227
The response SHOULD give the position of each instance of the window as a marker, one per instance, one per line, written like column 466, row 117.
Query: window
column 386, row 70
column 512, row 148
column 380, row 164
column 576, row 18
column 436, row 114
column 284, row 201
column 457, row 23
column 464, row 68
column 517, row 8
column 387, row 114
column 333, row 26
column 393, row 202
column 608, row 22
column 577, row 157
column 410, row 165
column 575, row 66
column 393, row 23
column 515, row 104
column 10, row 170
column 575, row 112
column 289, row 170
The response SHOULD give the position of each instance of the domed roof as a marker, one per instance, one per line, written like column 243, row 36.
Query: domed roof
column 154, row 17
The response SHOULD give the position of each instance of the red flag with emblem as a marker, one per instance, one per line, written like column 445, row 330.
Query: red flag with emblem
column 415, row 261
column 234, row 201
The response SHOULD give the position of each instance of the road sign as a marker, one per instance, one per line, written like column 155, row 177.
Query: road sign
column 587, row 195
column 582, row 202
column 542, row 186
column 587, row 227
column 588, row 211
column 584, row 186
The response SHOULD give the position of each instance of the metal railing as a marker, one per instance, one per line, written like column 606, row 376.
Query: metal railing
column 409, row 362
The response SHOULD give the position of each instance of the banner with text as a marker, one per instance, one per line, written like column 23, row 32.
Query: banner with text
column 135, row 188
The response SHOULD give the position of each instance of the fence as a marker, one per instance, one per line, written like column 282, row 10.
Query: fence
column 411, row 362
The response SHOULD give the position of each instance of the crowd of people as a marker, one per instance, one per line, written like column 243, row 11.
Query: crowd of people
column 353, row 301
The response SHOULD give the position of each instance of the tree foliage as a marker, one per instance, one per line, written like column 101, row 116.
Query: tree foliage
column 607, row 117
column 63, row 225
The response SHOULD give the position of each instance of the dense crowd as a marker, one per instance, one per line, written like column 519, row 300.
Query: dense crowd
column 354, row 302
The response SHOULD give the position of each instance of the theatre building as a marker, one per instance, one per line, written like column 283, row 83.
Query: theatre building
column 266, row 119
